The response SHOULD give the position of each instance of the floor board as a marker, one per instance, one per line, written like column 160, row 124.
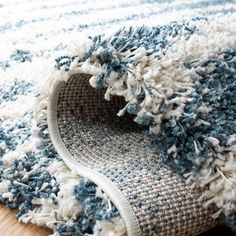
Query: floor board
column 9, row 226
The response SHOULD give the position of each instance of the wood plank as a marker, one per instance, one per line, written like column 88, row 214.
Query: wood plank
column 9, row 226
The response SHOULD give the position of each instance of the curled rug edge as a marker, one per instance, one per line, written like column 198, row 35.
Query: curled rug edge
column 66, row 78
column 200, row 218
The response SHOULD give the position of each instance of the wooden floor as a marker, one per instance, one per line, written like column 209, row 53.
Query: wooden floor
column 9, row 226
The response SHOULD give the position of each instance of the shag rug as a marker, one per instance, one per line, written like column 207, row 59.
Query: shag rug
column 174, row 65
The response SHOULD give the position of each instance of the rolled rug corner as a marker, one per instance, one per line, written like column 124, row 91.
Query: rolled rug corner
column 148, row 115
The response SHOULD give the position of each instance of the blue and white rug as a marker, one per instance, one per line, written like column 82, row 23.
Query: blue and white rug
column 195, row 61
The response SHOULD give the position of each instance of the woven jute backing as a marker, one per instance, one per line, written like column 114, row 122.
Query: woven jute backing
column 93, row 134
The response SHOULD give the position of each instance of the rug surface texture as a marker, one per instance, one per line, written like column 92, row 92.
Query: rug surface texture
column 119, row 117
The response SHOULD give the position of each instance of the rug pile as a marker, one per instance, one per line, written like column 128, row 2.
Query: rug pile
column 174, row 65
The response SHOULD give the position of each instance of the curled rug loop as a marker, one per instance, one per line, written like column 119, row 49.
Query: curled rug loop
column 112, row 152
column 166, row 79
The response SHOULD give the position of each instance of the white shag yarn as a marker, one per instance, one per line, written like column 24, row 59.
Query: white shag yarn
column 114, row 227
column 67, row 207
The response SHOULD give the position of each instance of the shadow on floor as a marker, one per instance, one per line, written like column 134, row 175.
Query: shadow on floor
column 219, row 231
